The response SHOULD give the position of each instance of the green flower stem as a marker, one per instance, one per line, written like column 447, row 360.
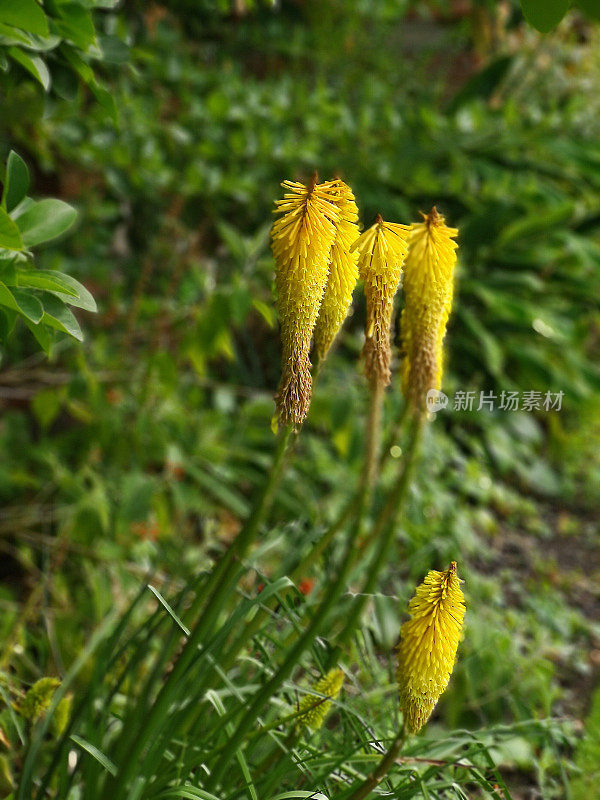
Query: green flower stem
column 301, row 569
column 382, row 533
column 394, row 436
column 381, row 770
column 320, row 615
column 370, row 471
column 215, row 593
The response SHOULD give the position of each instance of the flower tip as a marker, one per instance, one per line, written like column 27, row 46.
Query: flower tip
column 378, row 219
column 434, row 218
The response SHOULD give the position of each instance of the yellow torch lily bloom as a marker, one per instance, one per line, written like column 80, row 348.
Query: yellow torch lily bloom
column 315, row 707
column 301, row 242
column 381, row 253
column 428, row 291
column 428, row 645
column 343, row 273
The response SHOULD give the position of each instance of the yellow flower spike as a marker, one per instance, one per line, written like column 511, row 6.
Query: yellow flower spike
column 343, row 274
column 301, row 241
column 428, row 645
column 381, row 253
column 428, row 292
column 38, row 698
column 313, row 707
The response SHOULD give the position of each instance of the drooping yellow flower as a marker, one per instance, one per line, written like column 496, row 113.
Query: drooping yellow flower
column 315, row 707
column 381, row 253
column 301, row 242
column 343, row 273
column 428, row 292
column 428, row 645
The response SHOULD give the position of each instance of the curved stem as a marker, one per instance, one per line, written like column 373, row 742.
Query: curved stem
column 382, row 533
column 381, row 770
column 321, row 613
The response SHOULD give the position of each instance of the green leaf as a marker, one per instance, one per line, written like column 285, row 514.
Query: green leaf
column 106, row 99
column 95, row 753
column 25, row 14
column 43, row 335
column 58, row 316
column 114, row 50
column 29, row 305
column 544, row 15
column 33, row 64
column 45, row 220
column 7, row 322
column 40, row 44
column 16, row 183
column 168, row 609
column 75, row 24
column 46, row 280
column 10, row 237
column 482, row 85
column 25, row 303
column 10, row 35
column 78, row 295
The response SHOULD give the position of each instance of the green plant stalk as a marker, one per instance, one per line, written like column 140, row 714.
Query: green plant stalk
column 300, row 570
column 370, row 471
column 320, row 616
column 383, row 534
column 381, row 770
column 215, row 592
column 394, row 435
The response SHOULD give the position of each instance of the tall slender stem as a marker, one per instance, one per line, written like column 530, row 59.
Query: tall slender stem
column 381, row 770
column 373, row 435
column 394, row 434
column 383, row 533
column 320, row 615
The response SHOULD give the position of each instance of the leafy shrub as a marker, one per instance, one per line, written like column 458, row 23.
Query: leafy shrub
column 38, row 297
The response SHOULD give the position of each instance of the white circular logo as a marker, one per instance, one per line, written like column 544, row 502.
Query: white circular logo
column 436, row 400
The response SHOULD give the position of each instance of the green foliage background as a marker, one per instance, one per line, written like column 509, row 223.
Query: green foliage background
column 134, row 456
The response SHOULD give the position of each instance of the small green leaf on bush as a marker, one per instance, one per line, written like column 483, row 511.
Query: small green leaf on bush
column 24, row 303
column 68, row 289
column 43, row 335
column 544, row 14
column 26, row 14
column 16, row 183
column 45, row 220
column 7, row 320
column 46, row 280
column 29, row 305
column 33, row 64
column 58, row 316
column 78, row 295
column 114, row 50
column 75, row 24
column 10, row 236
